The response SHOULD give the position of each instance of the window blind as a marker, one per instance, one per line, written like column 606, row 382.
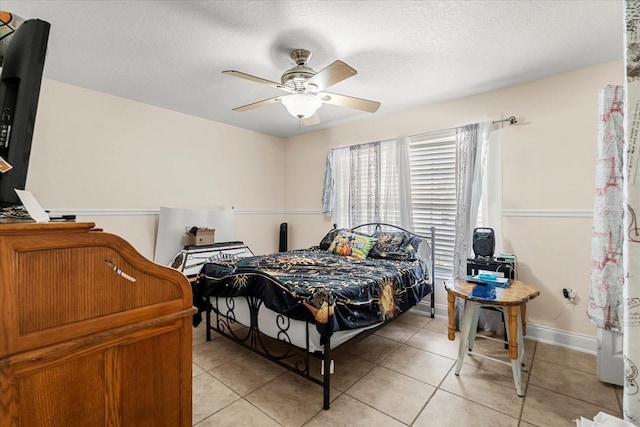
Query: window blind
column 366, row 188
column 433, row 191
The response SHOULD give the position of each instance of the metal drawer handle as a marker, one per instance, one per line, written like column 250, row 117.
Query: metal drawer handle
column 120, row 272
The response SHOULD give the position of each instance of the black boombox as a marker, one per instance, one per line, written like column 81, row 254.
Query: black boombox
column 484, row 245
column 484, row 242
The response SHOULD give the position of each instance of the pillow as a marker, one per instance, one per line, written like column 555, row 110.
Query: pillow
column 351, row 244
column 328, row 238
column 401, row 246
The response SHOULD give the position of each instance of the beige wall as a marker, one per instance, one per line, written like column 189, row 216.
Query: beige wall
column 93, row 151
column 549, row 174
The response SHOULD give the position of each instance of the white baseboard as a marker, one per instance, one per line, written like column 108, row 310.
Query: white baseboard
column 553, row 213
column 545, row 334
column 424, row 307
column 572, row 340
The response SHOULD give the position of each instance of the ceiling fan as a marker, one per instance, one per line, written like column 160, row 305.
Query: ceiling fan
column 306, row 88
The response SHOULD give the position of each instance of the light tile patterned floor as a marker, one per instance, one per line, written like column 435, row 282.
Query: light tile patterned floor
column 401, row 375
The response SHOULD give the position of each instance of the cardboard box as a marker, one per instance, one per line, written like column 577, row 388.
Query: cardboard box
column 200, row 236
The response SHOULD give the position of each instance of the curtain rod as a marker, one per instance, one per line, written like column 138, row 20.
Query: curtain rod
column 511, row 119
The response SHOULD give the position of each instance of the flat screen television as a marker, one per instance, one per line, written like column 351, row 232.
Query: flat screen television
column 20, row 82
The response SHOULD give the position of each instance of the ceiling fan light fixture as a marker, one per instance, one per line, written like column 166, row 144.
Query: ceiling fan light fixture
column 301, row 105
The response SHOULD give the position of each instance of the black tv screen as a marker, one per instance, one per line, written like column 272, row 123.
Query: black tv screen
column 19, row 92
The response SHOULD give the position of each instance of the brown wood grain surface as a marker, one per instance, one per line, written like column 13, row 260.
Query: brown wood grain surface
column 82, row 344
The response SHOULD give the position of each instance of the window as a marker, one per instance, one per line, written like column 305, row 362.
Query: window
column 365, row 184
column 372, row 179
column 433, row 191
column 415, row 184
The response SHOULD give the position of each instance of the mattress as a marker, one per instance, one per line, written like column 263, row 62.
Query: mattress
column 278, row 327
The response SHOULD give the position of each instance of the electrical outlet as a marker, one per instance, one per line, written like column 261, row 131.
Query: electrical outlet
column 569, row 294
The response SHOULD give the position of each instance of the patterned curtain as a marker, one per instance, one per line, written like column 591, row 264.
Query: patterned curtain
column 607, row 272
column 631, row 201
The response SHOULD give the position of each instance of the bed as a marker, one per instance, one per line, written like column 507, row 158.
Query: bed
column 294, row 306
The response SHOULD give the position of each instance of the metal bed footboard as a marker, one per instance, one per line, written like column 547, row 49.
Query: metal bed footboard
column 284, row 353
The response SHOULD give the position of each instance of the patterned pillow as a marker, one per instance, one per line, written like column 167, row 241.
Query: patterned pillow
column 351, row 244
column 328, row 238
column 402, row 246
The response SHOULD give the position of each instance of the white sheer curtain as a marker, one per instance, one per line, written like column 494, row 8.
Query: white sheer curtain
column 369, row 183
column 492, row 183
column 469, row 147
column 472, row 143
column 404, row 182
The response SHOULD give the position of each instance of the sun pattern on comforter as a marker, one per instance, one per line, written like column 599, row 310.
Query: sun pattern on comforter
column 333, row 291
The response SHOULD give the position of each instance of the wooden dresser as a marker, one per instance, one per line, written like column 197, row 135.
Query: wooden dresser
column 82, row 344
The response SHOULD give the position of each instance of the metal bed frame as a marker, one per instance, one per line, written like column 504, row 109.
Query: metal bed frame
column 290, row 356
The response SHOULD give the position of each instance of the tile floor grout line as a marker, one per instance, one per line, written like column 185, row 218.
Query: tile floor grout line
column 365, row 403
column 433, row 394
column 526, row 400
column 574, row 398
column 379, row 364
column 238, row 357
column 568, row 395
column 229, row 404
column 444, row 378
column 568, row 367
column 418, row 379
column 498, row 385
column 480, row 403
column 224, row 407
column 376, row 409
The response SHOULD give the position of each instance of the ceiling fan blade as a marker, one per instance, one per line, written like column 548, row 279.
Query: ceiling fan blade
column 311, row 120
column 246, row 76
column 334, row 73
column 257, row 104
column 351, row 102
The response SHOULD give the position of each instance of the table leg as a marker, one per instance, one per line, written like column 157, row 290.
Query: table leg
column 469, row 313
column 517, row 377
column 451, row 311
column 521, row 340
column 515, row 350
column 523, row 313
column 474, row 327
column 512, row 324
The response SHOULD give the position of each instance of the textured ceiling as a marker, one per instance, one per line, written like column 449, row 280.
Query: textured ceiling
column 407, row 53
